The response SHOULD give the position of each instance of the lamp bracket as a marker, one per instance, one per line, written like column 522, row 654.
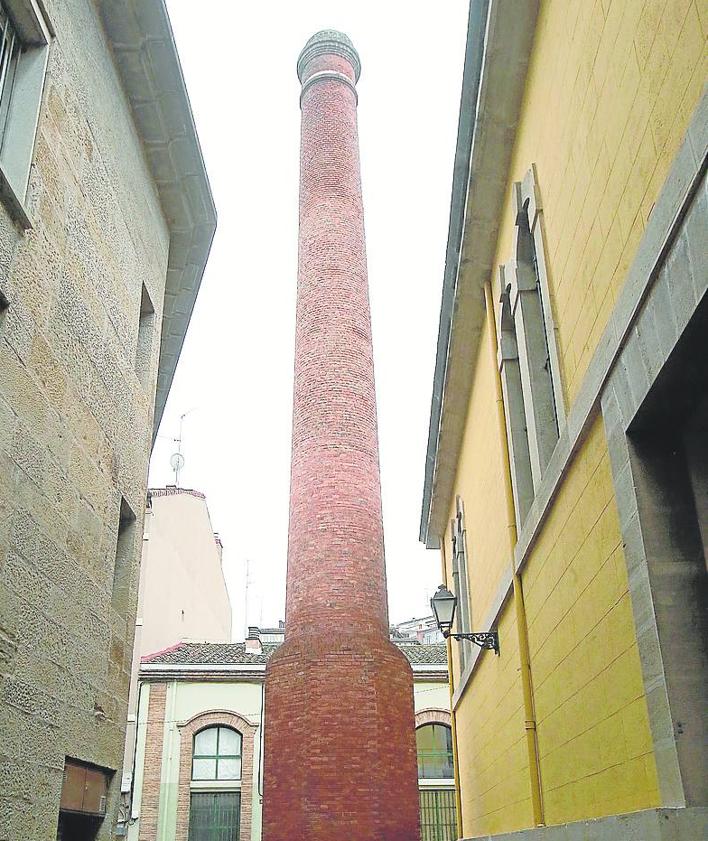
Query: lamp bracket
column 484, row 639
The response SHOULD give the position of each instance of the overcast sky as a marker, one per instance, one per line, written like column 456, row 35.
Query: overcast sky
column 235, row 372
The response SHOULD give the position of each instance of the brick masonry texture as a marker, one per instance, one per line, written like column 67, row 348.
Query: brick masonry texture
column 339, row 737
column 75, row 424
column 154, row 738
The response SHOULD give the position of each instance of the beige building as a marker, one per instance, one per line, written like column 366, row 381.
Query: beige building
column 198, row 770
column 182, row 593
column 106, row 220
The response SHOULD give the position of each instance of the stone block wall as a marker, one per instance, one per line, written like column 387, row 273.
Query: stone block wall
column 75, row 426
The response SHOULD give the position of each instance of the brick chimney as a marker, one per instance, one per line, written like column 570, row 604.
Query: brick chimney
column 340, row 757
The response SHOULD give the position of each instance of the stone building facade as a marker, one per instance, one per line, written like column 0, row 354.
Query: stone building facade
column 565, row 483
column 106, row 220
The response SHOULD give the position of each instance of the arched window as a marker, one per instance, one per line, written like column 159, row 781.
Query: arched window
column 434, row 747
column 216, row 754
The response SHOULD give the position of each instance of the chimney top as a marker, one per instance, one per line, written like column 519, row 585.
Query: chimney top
column 329, row 42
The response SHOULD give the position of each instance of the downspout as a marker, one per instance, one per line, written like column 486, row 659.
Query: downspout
column 519, row 606
column 453, row 719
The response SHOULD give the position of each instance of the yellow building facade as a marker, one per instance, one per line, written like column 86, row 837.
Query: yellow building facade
column 566, row 481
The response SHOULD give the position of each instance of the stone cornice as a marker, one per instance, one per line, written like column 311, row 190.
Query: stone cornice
column 329, row 42
column 146, row 57
column 499, row 40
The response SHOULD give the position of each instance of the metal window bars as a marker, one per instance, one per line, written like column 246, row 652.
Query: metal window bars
column 438, row 821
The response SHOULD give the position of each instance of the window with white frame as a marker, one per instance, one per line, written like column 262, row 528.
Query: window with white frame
column 217, row 754
column 527, row 317
column 460, row 577
column 24, row 51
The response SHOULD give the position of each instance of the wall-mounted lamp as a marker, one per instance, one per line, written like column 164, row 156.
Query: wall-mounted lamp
column 443, row 604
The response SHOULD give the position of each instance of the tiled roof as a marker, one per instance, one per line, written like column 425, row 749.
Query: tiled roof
column 208, row 654
column 431, row 655
column 235, row 653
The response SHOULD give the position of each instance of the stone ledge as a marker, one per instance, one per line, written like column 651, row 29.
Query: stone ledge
column 648, row 825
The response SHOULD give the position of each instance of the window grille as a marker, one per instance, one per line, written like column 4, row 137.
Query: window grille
column 214, row 816
column 438, row 819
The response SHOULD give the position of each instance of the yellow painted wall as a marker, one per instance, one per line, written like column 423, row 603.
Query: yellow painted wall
column 610, row 91
column 611, row 88
column 480, row 483
column 492, row 756
column 494, row 775
column 593, row 728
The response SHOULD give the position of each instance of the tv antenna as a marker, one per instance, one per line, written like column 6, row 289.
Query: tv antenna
column 177, row 458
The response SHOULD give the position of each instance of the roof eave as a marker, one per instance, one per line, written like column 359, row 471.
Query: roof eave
column 499, row 41
column 147, row 60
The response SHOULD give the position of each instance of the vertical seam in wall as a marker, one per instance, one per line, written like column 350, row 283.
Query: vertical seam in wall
column 453, row 718
column 518, row 593
column 162, row 816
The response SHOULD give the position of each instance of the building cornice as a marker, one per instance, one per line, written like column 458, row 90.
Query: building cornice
column 146, row 57
column 422, row 672
column 245, row 673
column 499, row 39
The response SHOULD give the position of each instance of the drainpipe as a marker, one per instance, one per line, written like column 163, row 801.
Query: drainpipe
column 453, row 719
column 519, row 606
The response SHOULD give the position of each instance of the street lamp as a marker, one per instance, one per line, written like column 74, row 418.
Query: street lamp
column 443, row 604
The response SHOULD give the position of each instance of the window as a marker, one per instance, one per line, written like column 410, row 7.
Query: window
column 513, row 396
column 143, row 351
column 434, row 749
column 24, row 51
column 4, row 306
column 460, row 577
column 216, row 764
column 435, row 782
column 217, row 754
column 528, row 355
column 438, row 821
column 125, row 547
column 9, row 59
column 214, row 816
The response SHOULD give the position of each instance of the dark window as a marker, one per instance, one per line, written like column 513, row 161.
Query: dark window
column 217, row 754
column 125, row 548
column 214, row 816
column 434, row 747
column 4, row 304
column 146, row 327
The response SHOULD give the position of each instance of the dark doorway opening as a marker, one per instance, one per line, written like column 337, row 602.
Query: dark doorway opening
column 668, row 444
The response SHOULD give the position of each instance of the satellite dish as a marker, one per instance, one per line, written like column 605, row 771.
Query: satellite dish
column 176, row 462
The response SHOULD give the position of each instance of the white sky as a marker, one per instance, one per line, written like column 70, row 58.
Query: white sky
column 235, row 373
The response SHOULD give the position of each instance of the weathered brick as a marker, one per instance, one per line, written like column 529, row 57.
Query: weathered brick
column 339, row 745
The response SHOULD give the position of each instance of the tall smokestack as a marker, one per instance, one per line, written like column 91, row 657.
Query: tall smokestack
column 340, row 761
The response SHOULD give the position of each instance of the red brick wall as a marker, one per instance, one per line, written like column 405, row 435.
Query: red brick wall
column 340, row 758
column 152, row 774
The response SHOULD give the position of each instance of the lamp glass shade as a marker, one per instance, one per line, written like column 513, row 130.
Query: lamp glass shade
column 443, row 604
